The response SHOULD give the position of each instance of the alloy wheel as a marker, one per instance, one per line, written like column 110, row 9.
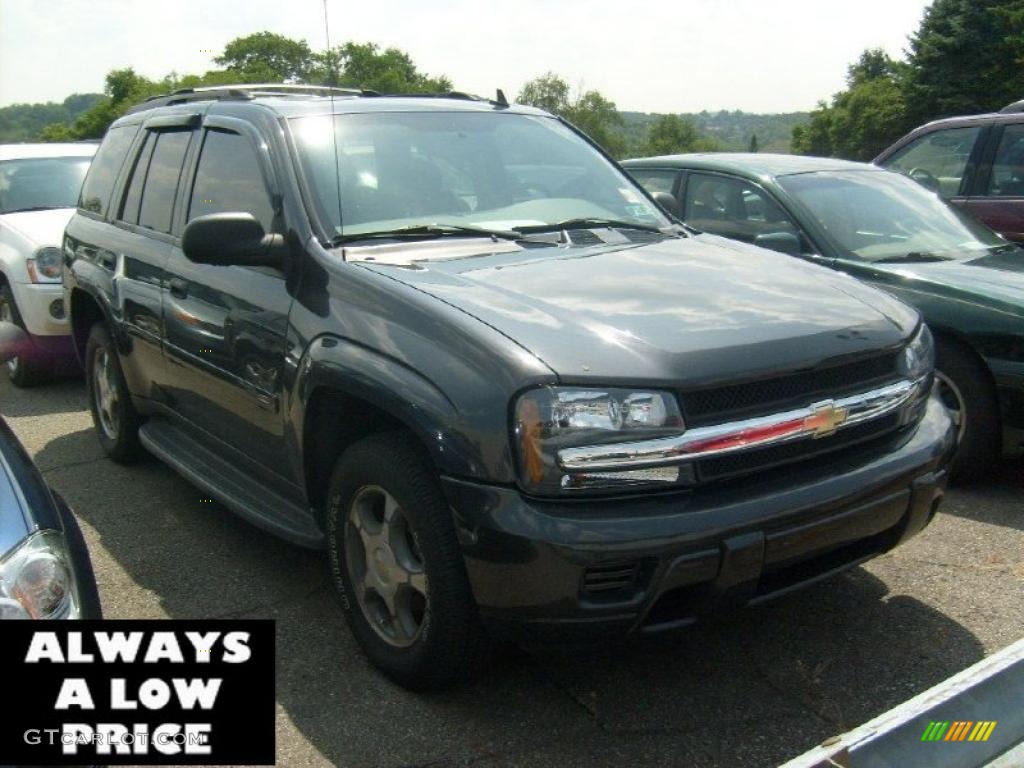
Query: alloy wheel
column 953, row 399
column 105, row 393
column 385, row 566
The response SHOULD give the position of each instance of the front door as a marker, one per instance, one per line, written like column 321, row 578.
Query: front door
column 225, row 326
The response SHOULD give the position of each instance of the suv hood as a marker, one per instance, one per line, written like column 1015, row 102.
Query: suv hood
column 693, row 311
column 40, row 228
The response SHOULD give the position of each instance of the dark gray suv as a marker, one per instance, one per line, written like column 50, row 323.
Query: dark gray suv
column 450, row 341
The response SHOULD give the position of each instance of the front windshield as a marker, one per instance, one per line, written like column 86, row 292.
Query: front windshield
column 882, row 216
column 42, row 182
column 489, row 171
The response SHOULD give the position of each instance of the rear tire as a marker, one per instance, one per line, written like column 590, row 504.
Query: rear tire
column 397, row 566
column 113, row 415
column 966, row 389
column 23, row 371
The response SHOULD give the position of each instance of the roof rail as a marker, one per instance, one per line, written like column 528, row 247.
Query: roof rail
column 243, row 92
column 1017, row 106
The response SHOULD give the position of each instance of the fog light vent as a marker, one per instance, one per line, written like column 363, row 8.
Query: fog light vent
column 609, row 577
column 57, row 309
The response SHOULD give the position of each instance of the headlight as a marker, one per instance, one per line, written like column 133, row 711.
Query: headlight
column 552, row 418
column 918, row 357
column 36, row 580
column 45, row 266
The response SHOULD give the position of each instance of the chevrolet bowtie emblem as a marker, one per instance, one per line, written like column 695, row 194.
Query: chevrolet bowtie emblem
column 826, row 419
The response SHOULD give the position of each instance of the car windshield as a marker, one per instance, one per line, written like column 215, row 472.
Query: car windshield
column 440, row 171
column 882, row 216
column 40, row 183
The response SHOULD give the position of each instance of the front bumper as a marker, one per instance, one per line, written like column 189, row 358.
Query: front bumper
column 595, row 568
column 34, row 301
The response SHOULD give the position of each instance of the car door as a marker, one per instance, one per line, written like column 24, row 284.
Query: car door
column 141, row 239
column 225, row 326
column 942, row 160
column 998, row 194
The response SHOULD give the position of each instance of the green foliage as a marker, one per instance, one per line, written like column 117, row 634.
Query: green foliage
column 24, row 122
column 266, row 57
column 674, row 135
column 365, row 65
column 590, row 111
column 752, row 146
column 967, row 57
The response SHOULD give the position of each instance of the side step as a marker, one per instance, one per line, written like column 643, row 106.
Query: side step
column 237, row 490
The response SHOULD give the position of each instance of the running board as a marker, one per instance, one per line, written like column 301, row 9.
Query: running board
column 237, row 490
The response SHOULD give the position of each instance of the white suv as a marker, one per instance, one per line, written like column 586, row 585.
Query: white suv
column 39, row 186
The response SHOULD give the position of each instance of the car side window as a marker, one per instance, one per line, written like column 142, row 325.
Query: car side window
column 937, row 160
column 229, row 179
column 157, row 208
column 1007, row 178
column 733, row 208
column 654, row 180
column 130, row 206
column 106, row 165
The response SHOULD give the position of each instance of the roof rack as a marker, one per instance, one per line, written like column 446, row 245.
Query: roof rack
column 243, row 92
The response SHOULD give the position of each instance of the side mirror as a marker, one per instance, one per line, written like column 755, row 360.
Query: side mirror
column 231, row 239
column 783, row 242
column 12, row 341
column 668, row 201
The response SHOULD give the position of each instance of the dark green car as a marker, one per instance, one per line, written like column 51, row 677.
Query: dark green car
column 879, row 226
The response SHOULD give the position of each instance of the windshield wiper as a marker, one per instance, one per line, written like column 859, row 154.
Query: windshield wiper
column 426, row 232
column 588, row 224
column 914, row 257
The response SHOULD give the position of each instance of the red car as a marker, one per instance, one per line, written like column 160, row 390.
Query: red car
column 975, row 162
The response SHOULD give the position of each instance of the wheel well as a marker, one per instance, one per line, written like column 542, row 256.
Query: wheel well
column 333, row 421
column 85, row 312
column 964, row 346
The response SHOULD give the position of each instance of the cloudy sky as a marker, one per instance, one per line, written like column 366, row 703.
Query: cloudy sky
column 646, row 55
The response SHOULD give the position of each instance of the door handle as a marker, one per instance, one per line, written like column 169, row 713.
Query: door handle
column 178, row 287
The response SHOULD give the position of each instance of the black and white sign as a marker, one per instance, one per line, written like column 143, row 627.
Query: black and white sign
column 138, row 692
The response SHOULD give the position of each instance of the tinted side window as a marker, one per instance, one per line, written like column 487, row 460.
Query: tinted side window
column 938, row 159
column 654, row 181
column 99, row 183
column 1008, row 167
column 162, row 180
column 228, row 179
column 733, row 208
column 132, row 198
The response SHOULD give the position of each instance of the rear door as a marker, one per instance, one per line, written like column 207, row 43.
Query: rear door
column 225, row 326
column 997, row 197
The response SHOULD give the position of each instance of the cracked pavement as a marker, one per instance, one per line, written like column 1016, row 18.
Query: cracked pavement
column 751, row 689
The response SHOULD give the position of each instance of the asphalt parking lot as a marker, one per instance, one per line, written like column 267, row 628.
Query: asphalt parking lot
column 751, row 689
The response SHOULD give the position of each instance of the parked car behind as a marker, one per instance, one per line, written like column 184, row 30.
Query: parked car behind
column 450, row 341
column 975, row 162
column 879, row 226
column 39, row 186
column 45, row 570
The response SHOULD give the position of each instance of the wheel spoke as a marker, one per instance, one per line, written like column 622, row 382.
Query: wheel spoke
column 418, row 582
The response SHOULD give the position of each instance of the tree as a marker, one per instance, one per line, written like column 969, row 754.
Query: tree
column 673, row 135
column 590, row 111
column 267, row 57
column 365, row 65
column 862, row 120
column 966, row 57
column 753, row 143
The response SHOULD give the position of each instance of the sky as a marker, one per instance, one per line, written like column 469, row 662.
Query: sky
column 645, row 55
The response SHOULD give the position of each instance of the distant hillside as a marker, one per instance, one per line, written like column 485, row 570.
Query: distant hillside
column 732, row 129
column 23, row 122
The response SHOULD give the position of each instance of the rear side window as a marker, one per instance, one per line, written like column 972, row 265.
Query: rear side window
column 158, row 194
column 99, row 183
column 228, row 179
column 1008, row 168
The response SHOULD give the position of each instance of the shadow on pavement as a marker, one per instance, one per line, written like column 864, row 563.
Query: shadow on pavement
column 998, row 499
column 64, row 395
column 754, row 688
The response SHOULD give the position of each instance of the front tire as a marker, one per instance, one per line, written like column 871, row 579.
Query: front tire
column 113, row 415
column 397, row 567
column 965, row 388
column 24, row 370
